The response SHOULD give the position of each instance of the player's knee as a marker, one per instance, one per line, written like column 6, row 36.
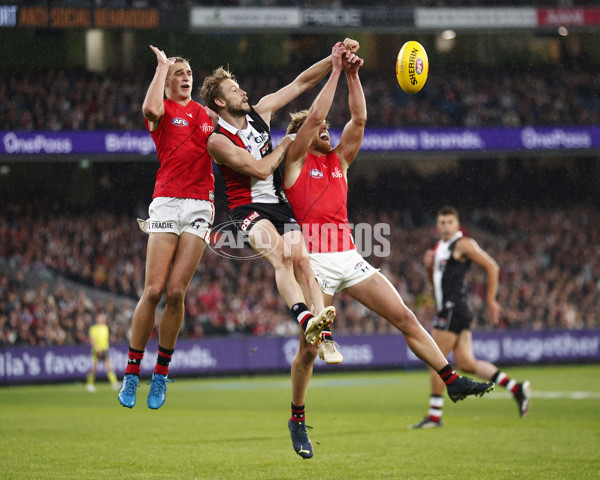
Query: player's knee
column 175, row 295
column 302, row 264
column 283, row 263
column 306, row 355
column 153, row 294
column 404, row 319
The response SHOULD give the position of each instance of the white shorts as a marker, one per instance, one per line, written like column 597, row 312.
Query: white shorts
column 337, row 271
column 179, row 215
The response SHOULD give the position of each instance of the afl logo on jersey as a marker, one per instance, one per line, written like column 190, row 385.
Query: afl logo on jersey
column 179, row 122
column 315, row 173
column 248, row 148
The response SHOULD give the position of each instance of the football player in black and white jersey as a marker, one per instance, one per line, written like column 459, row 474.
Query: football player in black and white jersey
column 447, row 266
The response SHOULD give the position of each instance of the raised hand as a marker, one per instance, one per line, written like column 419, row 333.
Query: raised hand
column 338, row 52
column 351, row 45
column 351, row 63
column 161, row 58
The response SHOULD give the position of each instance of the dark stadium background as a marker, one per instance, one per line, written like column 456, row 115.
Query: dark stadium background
column 535, row 211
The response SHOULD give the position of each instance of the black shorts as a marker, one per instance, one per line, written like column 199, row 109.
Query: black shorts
column 101, row 354
column 279, row 214
column 454, row 317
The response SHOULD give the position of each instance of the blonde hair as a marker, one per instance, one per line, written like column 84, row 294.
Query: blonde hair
column 177, row 60
column 210, row 87
column 298, row 119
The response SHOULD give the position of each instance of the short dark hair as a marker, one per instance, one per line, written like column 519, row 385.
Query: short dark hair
column 448, row 210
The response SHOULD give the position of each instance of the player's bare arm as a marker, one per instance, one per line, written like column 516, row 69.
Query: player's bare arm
column 353, row 132
column 468, row 248
column 269, row 104
column 224, row 152
column 153, row 107
column 317, row 113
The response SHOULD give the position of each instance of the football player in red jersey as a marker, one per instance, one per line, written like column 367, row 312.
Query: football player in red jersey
column 180, row 217
column 315, row 185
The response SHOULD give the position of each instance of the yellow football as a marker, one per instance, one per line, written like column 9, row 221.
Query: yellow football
column 412, row 67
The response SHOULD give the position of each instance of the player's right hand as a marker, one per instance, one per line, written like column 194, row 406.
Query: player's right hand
column 161, row 58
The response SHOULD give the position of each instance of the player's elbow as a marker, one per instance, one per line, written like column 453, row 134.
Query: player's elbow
column 360, row 119
column 493, row 270
column 151, row 112
column 315, row 117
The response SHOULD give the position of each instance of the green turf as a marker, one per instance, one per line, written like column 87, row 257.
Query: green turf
column 236, row 428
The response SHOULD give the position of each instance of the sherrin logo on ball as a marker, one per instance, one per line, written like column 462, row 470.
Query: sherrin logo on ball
column 412, row 67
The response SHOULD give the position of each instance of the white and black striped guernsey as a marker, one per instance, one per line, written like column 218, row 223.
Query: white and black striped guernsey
column 449, row 275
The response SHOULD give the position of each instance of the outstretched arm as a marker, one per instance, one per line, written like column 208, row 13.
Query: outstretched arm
column 353, row 132
column 269, row 104
column 224, row 152
column 153, row 106
column 296, row 154
column 469, row 248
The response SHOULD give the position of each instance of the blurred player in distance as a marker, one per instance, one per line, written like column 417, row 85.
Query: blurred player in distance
column 180, row 217
column 447, row 266
column 316, row 187
column 100, row 342
column 253, row 187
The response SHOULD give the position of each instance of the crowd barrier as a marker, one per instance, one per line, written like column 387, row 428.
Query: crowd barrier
column 243, row 355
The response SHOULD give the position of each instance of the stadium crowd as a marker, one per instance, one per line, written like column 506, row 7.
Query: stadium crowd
column 60, row 101
column 544, row 282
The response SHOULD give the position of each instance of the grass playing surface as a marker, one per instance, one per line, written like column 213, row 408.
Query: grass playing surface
column 236, row 428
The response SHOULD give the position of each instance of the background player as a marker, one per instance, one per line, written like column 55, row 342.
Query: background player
column 181, row 214
column 447, row 266
column 316, row 187
column 100, row 342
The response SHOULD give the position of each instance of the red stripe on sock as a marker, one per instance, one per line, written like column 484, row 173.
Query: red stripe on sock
column 135, row 369
column 449, row 377
column 161, row 369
